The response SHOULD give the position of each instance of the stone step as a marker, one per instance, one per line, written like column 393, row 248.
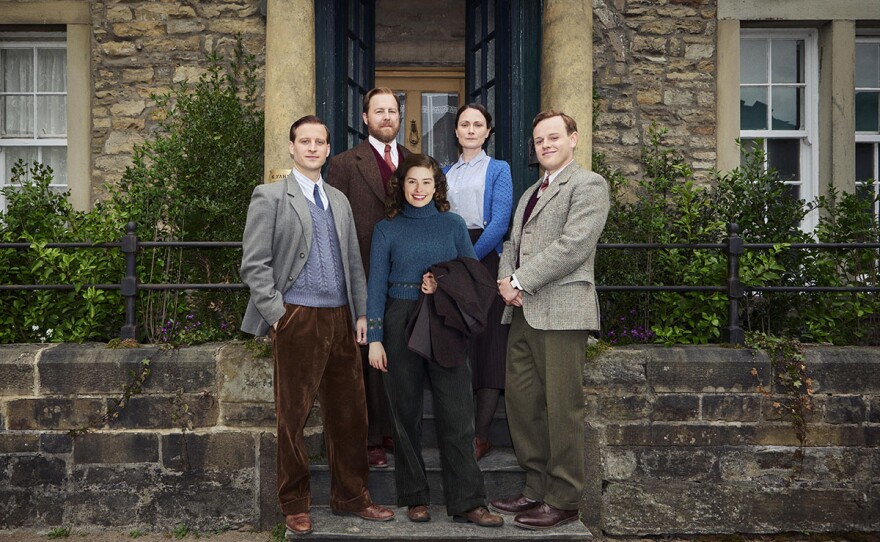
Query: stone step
column 501, row 473
column 328, row 527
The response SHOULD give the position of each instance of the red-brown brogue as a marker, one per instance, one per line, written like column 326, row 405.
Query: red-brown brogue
column 376, row 457
column 374, row 512
column 298, row 523
column 544, row 517
column 482, row 447
column 513, row 505
column 418, row 513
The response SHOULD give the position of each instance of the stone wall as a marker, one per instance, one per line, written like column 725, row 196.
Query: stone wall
column 679, row 441
column 654, row 62
column 144, row 47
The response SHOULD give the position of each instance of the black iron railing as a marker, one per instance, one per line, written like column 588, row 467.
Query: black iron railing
column 732, row 247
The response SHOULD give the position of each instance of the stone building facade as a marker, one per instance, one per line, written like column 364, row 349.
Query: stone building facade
column 673, row 63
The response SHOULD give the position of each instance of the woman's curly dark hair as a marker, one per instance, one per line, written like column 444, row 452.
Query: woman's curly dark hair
column 395, row 199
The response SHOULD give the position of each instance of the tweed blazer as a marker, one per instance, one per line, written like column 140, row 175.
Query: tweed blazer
column 557, row 249
column 275, row 246
column 356, row 174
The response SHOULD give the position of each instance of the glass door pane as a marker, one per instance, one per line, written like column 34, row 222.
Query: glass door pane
column 438, row 126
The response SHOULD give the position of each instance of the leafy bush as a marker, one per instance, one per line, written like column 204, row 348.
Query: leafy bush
column 36, row 214
column 668, row 207
column 190, row 182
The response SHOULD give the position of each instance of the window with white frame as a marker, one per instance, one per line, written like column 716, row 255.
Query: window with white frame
column 868, row 116
column 779, row 105
column 33, row 104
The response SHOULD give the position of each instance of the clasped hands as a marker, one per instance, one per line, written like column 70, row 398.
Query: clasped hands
column 509, row 294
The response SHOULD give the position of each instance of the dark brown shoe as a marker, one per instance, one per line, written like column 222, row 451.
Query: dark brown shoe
column 482, row 447
column 388, row 444
column 298, row 523
column 480, row 516
column 513, row 505
column 374, row 512
column 544, row 517
column 418, row 513
column 376, row 457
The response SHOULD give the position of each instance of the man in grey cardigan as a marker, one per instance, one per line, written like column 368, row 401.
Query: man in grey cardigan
column 301, row 261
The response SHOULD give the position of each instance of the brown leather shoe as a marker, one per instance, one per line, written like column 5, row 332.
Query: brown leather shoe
column 418, row 513
column 298, row 523
column 513, row 505
column 544, row 517
column 374, row 512
column 482, row 447
column 480, row 516
column 376, row 457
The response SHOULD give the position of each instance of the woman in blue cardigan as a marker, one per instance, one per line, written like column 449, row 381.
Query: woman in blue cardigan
column 417, row 234
column 481, row 192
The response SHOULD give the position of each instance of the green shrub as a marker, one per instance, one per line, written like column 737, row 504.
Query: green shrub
column 36, row 214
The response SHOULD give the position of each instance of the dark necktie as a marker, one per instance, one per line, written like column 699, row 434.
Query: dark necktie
column 544, row 185
column 318, row 201
column 388, row 158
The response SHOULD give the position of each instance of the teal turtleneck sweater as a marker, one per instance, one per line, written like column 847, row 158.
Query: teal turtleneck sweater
column 404, row 248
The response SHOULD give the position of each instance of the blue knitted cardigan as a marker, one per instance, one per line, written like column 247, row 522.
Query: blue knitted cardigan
column 497, row 207
column 403, row 249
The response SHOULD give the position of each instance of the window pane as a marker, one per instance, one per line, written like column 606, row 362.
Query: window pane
column 14, row 154
column 478, row 68
column 401, row 133
column 51, row 70
column 490, row 106
column 866, row 111
column 787, row 108
column 753, row 61
column 438, row 126
column 787, row 61
column 864, row 161
column 56, row 158
column 490, row 18
column 793, row 191
column 868, row 65
column 784, row 155
column 18, row 116
column 753, row 108
column 490, row 60
column 18, row 70
column 51, row 116
column 478, row 23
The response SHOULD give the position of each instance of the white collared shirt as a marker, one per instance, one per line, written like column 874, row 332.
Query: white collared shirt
column 556, row 174
column 380, row 148
column 467, row 187
column 308, row 187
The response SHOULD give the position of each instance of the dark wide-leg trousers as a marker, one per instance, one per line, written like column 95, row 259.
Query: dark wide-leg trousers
column 463, row 486
column 316, row 355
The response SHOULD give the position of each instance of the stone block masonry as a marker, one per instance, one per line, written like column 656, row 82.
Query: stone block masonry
column 654, row 62
column 679, row 441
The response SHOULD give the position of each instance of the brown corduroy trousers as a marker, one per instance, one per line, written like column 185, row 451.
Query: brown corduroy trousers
column 316, row 355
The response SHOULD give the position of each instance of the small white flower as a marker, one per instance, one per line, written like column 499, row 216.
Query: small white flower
column 35, row 327
column 49, row 332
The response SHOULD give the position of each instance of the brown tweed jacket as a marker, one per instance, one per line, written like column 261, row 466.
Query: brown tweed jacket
column 356, row 174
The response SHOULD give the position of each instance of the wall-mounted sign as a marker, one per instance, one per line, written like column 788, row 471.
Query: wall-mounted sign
column 278, row 175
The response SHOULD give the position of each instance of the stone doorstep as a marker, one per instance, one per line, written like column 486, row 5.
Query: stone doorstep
column 501, row 472
column 328, row 526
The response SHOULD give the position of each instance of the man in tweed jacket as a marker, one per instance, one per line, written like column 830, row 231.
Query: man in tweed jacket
column 546, row 280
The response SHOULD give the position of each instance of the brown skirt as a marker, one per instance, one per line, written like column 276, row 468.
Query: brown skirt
column 488, row 350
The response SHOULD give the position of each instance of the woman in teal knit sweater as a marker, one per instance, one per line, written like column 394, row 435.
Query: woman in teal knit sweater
column 418, row 233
